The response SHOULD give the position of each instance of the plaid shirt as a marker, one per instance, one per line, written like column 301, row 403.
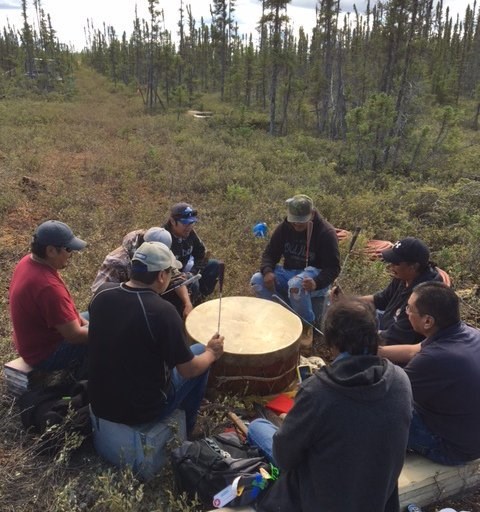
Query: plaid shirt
column 117, row 265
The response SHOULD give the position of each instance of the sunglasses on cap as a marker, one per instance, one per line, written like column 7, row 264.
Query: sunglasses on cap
column 188, row 213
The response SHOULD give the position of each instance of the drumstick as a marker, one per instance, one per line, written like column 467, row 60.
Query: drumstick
column 336, row 289
column 238, row 423
column 350, row 247
column 293, row 311
column 221, row 274
column 188, row 281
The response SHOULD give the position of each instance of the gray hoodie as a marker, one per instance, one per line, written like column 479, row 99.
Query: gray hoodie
column 342, row 446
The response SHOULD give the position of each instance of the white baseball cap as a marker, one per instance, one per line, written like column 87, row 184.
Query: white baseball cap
column 157, row 234
column 156, row 256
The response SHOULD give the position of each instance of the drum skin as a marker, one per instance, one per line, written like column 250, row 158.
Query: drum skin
column 261, row 344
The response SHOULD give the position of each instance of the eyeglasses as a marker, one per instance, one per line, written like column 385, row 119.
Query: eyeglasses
column 409, row 309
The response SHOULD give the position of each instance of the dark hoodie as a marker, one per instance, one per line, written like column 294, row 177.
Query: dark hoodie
column 342, row 446
column 292, row 245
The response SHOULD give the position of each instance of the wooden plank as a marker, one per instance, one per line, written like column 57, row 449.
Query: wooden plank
column 424, row 482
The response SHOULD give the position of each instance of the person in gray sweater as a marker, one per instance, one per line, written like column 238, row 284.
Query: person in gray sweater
column 342, row 446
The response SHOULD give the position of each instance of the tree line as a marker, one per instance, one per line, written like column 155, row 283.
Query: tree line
column 33, row 57
column 367, row 78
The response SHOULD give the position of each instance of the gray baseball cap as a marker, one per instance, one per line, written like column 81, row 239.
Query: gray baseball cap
column 58, row 234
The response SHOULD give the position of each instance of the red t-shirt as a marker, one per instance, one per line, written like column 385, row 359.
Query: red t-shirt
column 39, row 300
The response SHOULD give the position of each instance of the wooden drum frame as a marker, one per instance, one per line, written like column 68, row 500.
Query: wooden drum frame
column 261, row 344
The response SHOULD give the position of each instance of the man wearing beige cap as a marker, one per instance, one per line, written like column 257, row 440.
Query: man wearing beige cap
column 48, row 331
column 117, row 266
column 311, row 261
column 141, row 367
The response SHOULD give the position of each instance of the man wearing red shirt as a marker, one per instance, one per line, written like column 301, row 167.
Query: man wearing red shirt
column 48, row 331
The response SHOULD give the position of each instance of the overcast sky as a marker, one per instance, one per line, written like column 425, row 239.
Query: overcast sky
column 69, row 16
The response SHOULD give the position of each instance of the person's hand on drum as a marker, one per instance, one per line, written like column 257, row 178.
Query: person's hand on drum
column 215, row 345
column 308, row 284
column 269, row 281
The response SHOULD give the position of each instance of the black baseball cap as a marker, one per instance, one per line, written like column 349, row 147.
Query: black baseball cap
column 58, row 234
column 410, row 250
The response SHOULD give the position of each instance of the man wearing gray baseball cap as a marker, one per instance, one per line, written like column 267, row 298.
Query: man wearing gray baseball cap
column 141, row 367
column 48, row 331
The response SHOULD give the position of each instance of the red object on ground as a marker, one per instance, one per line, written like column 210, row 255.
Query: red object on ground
column 374, row 248
column 280, row 404
column 445, row 277
column 342, row 234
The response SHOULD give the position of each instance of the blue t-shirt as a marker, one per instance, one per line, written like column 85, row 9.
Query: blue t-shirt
column 445, row 378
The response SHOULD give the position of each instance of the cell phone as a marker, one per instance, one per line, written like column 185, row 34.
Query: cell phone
column 303, row 371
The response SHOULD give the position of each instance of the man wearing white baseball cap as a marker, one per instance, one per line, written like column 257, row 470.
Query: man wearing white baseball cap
column 117, row 266
column 48, row 331
column 141, row 367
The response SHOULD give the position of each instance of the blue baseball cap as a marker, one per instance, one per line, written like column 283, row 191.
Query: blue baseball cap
column 184, row 213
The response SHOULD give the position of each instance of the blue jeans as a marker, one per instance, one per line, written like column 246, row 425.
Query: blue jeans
column 186, row 394
column 421, row 440
column 288, row 285
column 67, row 355
column 260, row 434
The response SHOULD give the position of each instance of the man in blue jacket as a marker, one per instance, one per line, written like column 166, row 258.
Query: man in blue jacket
column 444, row 371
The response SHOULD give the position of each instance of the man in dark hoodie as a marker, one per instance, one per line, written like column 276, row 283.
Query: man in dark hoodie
column 311, row 261
column 341, row 447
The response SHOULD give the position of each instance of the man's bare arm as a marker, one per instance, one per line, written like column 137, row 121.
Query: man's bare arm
column 399, row 354
column 200, row 364
column 73, row 332
column 182, row 292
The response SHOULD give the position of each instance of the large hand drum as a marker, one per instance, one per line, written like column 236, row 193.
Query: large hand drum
column 261, row 344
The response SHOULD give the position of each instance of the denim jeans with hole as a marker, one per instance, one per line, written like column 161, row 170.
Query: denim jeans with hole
column 288, row 286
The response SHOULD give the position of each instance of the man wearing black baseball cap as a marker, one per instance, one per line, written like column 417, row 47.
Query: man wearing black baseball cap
column 408, row 261
column 190, row 250
column 48, row 331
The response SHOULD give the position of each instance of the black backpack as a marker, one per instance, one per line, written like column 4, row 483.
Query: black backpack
column 42, row 408
column 207, row 466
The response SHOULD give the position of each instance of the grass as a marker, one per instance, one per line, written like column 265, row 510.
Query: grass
column 97, row 162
